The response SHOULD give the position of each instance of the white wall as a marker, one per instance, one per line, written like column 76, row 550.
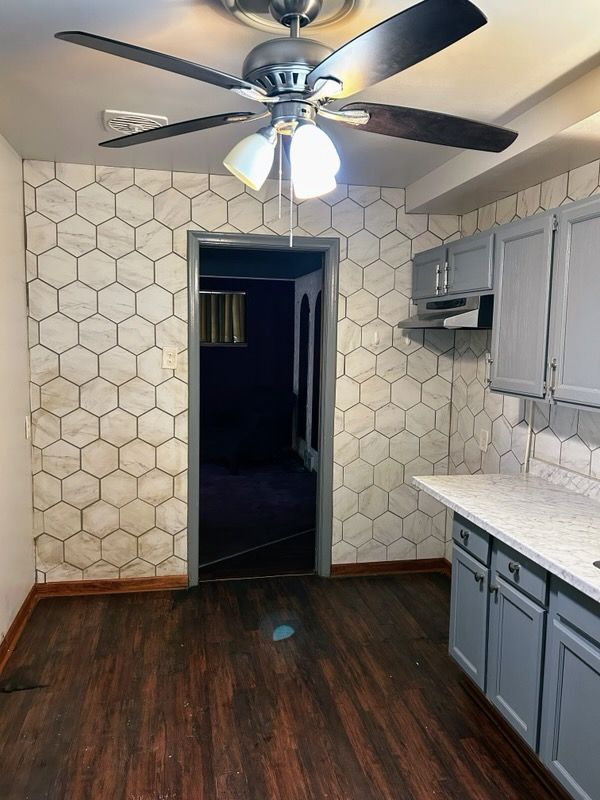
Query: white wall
column 16, row 536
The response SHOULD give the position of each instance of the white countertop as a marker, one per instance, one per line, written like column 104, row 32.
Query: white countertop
column 556, row 527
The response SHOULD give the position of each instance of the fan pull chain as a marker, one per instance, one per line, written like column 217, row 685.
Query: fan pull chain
column 280, row 137
column 291, row 213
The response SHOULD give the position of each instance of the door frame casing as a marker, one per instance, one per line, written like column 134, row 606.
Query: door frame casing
column 330, row 250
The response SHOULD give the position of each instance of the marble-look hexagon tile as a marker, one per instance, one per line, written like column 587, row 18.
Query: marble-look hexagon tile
column 98, row 396
column 82, row 550
column 41, row 233
column 118, row 488
column 77, row 301
column 56, row 267
column 136, row 334
column 95, row 203
column 116, row 302
column 134, row 206
column 79, row 427
column 137, row 457
column 117, row 365
column 155, row 426
column 100, row 518
column 119, row 547
column 155, row 487
column 58, row 333
column 114, row 178
column 80, row 490
column 78, row 365
column 62, row 521
column 97, row 334
column 118, row 427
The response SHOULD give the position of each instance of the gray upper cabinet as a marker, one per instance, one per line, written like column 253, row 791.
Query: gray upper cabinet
column 427, row 273
column 462, row 267
column 523, row 267
column 574, row 368
column 468, row 614
column 515, row 653
column 470, row 266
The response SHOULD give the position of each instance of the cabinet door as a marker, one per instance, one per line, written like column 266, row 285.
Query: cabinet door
column 575, row 319
column 515, row 650
column 523, row 266
column 570, row 738
column 470, row 265
column 427, row 273
column 468, row 614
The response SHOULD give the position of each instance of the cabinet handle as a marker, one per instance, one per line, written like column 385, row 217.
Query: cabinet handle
column 464, row 535
column 437, row 280
column 446, row 270
column 552, row 382
column 488, row 368
column 479, row 577
column 514, row 568
column 493, row 589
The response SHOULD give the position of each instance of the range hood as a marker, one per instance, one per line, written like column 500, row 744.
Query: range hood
column 452, row 312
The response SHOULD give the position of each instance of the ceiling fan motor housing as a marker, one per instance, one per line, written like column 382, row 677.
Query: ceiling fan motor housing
column 281, row 65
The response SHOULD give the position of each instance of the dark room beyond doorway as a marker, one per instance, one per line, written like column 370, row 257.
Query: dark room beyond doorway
column 260, row 361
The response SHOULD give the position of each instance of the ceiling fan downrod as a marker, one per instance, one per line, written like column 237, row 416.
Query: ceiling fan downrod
column 295, row 14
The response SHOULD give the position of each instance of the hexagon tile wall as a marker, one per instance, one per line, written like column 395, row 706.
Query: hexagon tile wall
column 106, row 267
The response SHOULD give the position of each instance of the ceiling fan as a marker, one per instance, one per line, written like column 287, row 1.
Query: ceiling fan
column 296, row 79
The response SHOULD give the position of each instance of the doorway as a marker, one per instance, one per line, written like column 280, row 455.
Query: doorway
column 262, row 348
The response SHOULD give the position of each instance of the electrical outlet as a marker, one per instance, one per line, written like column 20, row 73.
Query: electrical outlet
column 484, row 438
column 169, row 358
column 27, row 426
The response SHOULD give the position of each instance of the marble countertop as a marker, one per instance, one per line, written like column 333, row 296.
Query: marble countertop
column 553, row 526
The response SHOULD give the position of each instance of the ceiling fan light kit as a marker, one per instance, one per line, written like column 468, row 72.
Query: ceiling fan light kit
column 252, row 158
column 295, row 79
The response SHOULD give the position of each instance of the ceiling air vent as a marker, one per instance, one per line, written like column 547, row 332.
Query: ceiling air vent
column 131, row 122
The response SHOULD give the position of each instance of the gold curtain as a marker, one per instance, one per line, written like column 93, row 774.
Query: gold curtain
column 222, row 317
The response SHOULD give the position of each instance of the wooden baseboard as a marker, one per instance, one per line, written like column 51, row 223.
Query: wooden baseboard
column 555, row 790
column 7, row 645
column 391, row 567
column 78, row 588
column 111, row 586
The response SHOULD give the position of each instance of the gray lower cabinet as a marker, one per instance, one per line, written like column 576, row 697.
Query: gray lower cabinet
column 468, row 614
column 574, row 371
column 523, row 266
column 570, row 737
column 515, row 654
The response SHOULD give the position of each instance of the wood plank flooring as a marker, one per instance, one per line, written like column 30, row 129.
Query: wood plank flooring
column 186, row 696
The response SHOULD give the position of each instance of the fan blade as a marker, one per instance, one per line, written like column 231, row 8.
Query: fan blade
column 397, row 43
column 432, row 127
column 160, row 60
column 178, row 128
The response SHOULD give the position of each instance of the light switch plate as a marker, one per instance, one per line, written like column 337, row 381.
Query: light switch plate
column 169, row 358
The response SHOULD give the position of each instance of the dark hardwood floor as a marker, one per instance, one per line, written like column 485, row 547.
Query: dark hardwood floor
column 186, row 696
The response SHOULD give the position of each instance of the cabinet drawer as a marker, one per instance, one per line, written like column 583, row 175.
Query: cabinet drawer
column 520, row 572
column 471, row 538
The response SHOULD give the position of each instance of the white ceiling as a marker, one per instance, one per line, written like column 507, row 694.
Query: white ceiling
column 52, row 93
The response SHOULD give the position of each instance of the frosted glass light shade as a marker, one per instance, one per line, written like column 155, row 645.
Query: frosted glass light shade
column 312, row 184
column 314, row 161
column 252, row 158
